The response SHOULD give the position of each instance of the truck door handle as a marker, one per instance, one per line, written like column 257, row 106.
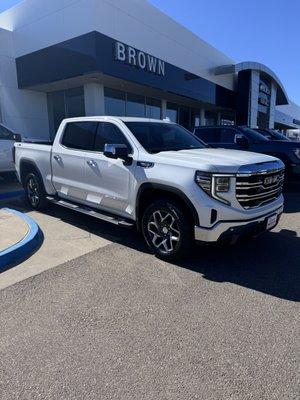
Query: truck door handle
column 91, row 163
column 57, row 158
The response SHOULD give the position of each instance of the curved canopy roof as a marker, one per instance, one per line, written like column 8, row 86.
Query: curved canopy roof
column 282, row 97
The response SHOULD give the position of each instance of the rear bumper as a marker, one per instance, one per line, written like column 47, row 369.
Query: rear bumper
column 234, row 229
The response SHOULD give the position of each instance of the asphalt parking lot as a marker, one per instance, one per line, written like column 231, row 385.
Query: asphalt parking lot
column 117, row 323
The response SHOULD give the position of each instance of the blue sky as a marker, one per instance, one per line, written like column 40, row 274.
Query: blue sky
column 267, row 31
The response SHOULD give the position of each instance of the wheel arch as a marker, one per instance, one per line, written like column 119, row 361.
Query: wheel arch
column 26, row 167
column 148, row 192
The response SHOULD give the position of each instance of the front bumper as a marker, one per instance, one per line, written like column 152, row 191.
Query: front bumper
column 234, row 229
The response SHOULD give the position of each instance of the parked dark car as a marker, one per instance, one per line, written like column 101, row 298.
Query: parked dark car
column 272, row 134
column 244, row 138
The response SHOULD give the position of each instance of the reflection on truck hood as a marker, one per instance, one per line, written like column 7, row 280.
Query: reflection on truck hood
column 219, row 160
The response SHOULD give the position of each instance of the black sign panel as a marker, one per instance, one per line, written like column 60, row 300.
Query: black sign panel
column 95, row 52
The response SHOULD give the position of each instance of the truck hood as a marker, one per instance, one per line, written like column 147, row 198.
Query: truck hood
column 213, row 160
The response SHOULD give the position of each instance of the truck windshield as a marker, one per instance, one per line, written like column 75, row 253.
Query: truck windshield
column 156, row 137
column 272, row 135
column 254, row 135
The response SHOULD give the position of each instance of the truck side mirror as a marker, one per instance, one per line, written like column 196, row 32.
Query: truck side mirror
column 17, row 137
column 241, row 140
column 116, row 151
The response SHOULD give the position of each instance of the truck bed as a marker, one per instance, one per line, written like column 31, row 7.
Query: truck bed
column 37, row 154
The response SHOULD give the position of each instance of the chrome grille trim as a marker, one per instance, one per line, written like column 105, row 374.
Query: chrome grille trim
column 252, row 191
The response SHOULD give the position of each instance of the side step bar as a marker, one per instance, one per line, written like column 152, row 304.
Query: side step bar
column 113, row 219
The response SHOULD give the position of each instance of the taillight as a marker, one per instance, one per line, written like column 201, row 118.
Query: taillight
column 14, row 154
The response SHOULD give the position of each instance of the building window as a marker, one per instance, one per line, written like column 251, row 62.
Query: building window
column 135, row 105
column 64, row 104
column 185, row 117
column 129, row 104
column 75, row 102
column 195, row 117
column 114, row 102
column 210, row 118
column 227, row 119
column 172, row 112
column 153, row 108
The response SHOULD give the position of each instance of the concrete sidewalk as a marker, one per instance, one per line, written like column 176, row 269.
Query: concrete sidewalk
column 12, row 229
column 66, row 236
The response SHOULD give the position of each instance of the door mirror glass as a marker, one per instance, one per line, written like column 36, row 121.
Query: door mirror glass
column 17, row 137
column 241, row 140
column 116, row 151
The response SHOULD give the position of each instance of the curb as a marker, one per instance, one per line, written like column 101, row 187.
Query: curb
column 24, row 248
column 11, row 195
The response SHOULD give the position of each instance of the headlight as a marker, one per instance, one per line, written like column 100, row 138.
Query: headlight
column 297, row 153
column 214, row 184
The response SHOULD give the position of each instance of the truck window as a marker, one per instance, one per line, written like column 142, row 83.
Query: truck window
column 80, row 135
column 108, row 133
column 227, row 135
column 209, row 135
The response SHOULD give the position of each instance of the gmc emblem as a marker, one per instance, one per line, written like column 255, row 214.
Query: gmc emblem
column 271, row 180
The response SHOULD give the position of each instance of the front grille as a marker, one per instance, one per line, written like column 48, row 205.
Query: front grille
column 254, row 190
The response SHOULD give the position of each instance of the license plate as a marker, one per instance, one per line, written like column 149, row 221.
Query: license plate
column 271, row 221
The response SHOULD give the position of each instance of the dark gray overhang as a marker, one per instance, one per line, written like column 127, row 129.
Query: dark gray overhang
column 282, row 97
column 94, row 53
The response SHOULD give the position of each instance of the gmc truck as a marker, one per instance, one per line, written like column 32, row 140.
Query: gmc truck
column 154, row 175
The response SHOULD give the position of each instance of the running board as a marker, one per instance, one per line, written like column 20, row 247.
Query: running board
column 91, row 212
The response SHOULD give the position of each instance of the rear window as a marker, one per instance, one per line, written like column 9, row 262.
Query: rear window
column 80, row 135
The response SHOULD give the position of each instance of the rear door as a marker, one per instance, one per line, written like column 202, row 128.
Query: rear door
column 68, row 159
column 108, row 181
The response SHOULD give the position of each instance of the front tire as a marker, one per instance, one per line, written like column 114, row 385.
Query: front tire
column 167, row 229
column 35, row 192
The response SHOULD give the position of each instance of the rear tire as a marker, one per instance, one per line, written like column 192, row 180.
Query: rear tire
column 35, row 192
column 167, row 229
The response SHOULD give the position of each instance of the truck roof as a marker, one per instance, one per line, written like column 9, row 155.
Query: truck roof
column 113, row 118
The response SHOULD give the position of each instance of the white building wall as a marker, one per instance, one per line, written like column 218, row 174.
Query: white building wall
column 40, row 23
column 291, row 109
column 23, row 111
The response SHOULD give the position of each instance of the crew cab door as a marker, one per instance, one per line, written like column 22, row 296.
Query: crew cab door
column 68, row 159
column 109, row 181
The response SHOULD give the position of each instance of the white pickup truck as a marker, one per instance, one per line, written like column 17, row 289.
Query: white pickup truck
column 154, row 175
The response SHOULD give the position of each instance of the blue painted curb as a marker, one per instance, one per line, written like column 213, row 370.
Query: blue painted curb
column 23, row 249
column 11, row 195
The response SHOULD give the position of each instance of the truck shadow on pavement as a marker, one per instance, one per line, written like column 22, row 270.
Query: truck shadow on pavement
column 269, row 264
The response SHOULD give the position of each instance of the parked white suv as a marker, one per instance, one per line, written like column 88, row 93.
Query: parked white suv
column 157, row 176
column 7, row 138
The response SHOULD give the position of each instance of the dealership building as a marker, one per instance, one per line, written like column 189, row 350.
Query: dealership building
column 66, row 58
